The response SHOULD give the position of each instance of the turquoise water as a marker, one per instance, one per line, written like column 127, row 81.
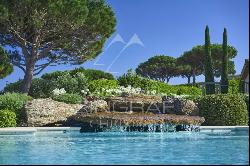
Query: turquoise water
column 125, row 148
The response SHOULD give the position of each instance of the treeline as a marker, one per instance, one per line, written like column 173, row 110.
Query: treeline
column 188, row 65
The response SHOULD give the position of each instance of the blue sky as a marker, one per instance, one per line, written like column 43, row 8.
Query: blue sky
column 167, row 27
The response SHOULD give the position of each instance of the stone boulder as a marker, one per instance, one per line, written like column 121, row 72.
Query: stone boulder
column 180, row 106
column 95, row 106
column 46, row 112
column 185, row 107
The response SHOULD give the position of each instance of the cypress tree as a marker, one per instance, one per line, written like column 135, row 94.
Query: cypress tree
column 224, row 74
column 209, row 75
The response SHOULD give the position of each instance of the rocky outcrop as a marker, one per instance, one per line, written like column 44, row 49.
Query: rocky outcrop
column 124, row 118
column 154, row 104
column 139, row 109
column 180, row 106
column 185, row 107
column 45, row 112
column 136, row 103
column 95, row 106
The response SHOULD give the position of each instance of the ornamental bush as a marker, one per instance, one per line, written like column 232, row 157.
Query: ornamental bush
column 234, row 86
column 15, row 103
column 99, row 85
column 90, row 74
column 7, row 118
column 185, row 90
column 68, row 98
column 160, row 87
column 14, row 87
column 223, row 110
column 130, row 78
column 246, row 99
column 42, row 88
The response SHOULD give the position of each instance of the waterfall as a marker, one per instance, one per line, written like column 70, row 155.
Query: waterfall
column 164, row 127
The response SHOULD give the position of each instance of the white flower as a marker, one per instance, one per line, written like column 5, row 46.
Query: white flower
column 58, row 91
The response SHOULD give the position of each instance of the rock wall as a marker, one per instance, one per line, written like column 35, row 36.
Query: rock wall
column 154, row 104
column 46, row 112
column 134, row 103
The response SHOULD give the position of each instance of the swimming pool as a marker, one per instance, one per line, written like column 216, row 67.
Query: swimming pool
column 125, row 148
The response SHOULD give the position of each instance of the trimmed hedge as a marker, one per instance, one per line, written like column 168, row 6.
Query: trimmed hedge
column 68, row 98
column 7, row 118
column 234, row 86
column 223, row 110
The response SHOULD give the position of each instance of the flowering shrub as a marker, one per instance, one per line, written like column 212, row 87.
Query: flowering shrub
column 43, row 88
column 153, row 87
column 121, row 90
column 58, row 91
column 85, row 92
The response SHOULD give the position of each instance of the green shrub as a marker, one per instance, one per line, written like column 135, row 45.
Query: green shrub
column 13, row 87
column 7, row 118
column 42, row 88
column 188, row 90
column 13, row 101
column 160, row 87
column 246, row 99
column 54, row 75
column 72, row 83
column 68, row 98
column 234, row 86
column 90, row 74
column 223, row 110
column 98, row 85
column 130, row 78
column 93, row 74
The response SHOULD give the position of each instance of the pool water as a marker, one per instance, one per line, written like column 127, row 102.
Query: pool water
column 125, row 148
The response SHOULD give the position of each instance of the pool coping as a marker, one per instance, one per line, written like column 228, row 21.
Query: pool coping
column 17, row 130
column 228, row 128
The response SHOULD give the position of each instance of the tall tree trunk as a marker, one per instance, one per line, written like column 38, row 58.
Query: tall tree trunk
column 30, row 64
column 188, row 77
column 224, row 73
column 193, row 74
column 168, row 79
